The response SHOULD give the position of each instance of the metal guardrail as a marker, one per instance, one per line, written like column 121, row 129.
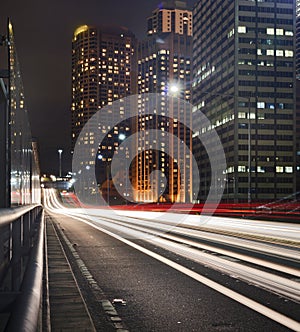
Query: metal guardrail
column 21, row 267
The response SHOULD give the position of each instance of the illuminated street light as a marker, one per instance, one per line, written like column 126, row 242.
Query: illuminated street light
column 122, row 138
column 59, row 156
column 174, row 88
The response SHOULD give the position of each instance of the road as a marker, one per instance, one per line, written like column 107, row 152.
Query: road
column 184, row 276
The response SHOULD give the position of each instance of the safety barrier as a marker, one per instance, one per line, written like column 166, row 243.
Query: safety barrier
column 21, row 267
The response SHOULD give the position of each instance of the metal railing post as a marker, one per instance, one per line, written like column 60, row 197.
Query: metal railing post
column 16, row 254
column 21, row 265
column 25, row 314
column 27, row 219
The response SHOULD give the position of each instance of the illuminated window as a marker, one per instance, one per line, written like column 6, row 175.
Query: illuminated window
column 279, row 32
column 279, row 169
column 279, row 52
column 261, row 104
column 270, row 31
column 242, row 29
column 230, row 33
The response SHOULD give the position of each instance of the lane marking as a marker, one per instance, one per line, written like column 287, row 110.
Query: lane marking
column 155, row 230
column 260, row 308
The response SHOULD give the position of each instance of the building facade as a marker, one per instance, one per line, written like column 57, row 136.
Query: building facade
column 298, row 39
column 103, row 71
column 244, row 82
column 298, row 96
column 297, row 122
column 164, row 69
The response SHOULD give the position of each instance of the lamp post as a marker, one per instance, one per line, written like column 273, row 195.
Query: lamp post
column 100, row 157
column 59, row 158
column 122, row 137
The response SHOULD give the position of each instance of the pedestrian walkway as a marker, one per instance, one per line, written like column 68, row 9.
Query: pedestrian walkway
column 67, row 307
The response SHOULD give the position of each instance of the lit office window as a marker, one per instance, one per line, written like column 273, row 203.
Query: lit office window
column 279, row 32
column 288, row 54
column 289, row 33
column 279, row 52
column 279, row 169
column 242, row 29
column 261, row 104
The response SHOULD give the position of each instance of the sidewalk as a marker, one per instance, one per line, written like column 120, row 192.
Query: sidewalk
column 67, row 307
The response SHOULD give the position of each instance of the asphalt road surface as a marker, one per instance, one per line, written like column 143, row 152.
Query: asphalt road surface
column 165, row 291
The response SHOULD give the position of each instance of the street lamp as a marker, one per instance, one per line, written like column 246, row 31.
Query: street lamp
column 100, row 157
column 174, row 89
column 59, row 158
column 122, row 137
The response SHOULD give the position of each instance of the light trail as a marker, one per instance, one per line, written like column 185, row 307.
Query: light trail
column 272, row 314
column 155, row 233
column 279, row 229
column 283, row 286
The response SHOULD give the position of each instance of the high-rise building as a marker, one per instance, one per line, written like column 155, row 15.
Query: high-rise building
column 298, row 39
column 298, row 95
column 297, row 122
column 164, row 69
column 244, row 82
column 103, row 71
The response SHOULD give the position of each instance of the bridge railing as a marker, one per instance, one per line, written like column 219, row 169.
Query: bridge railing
column 21, row 267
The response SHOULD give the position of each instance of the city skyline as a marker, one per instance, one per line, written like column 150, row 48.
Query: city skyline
column 43, row 35
column 109, row 64
column 272, row 109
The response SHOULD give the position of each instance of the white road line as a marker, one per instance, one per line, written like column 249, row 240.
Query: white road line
column 272, row 314
column 247, row 258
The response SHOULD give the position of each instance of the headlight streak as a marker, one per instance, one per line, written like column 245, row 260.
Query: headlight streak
column 277, row 284
column 151, row 230
column 258, row 307
column 280, row 285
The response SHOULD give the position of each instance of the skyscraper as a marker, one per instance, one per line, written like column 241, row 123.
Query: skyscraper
column 297, row 122
column 298, row 95
column 103, row 70
column 298, row 39
column 244, row 82
column 164, row 68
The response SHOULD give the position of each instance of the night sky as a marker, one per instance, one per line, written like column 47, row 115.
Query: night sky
column 43, row 33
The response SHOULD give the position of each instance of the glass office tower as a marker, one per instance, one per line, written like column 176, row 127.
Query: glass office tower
column 244, row 82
